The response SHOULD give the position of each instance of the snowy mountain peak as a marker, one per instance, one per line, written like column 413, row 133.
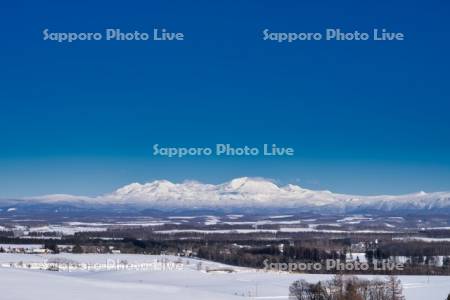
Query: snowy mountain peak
column 251, row 185
column 294, row 188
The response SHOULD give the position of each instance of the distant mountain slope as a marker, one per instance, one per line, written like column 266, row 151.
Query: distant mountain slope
column 240, row 193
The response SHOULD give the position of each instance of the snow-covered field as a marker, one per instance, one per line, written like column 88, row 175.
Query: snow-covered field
column 188, row 281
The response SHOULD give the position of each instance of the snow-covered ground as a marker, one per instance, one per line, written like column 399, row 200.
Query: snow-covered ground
column 185, row 282
column 423, row 239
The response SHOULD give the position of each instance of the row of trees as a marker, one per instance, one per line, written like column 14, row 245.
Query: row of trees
column 411, row 248
column 254, row 256
column 348, row 288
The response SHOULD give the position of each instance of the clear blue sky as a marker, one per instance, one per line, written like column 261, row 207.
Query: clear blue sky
column 364, row 117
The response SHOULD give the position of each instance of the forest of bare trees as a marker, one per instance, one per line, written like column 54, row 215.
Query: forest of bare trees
column 348, row 288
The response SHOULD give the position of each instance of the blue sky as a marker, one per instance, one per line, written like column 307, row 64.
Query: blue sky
column 364, row 117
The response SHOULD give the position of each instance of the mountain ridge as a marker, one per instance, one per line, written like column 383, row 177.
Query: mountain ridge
column 243, row 192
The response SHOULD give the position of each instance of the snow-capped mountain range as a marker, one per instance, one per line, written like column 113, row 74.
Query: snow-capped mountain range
column 246, row 193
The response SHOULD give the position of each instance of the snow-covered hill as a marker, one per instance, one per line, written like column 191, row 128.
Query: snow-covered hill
column 244, row 193
column 190, row 281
